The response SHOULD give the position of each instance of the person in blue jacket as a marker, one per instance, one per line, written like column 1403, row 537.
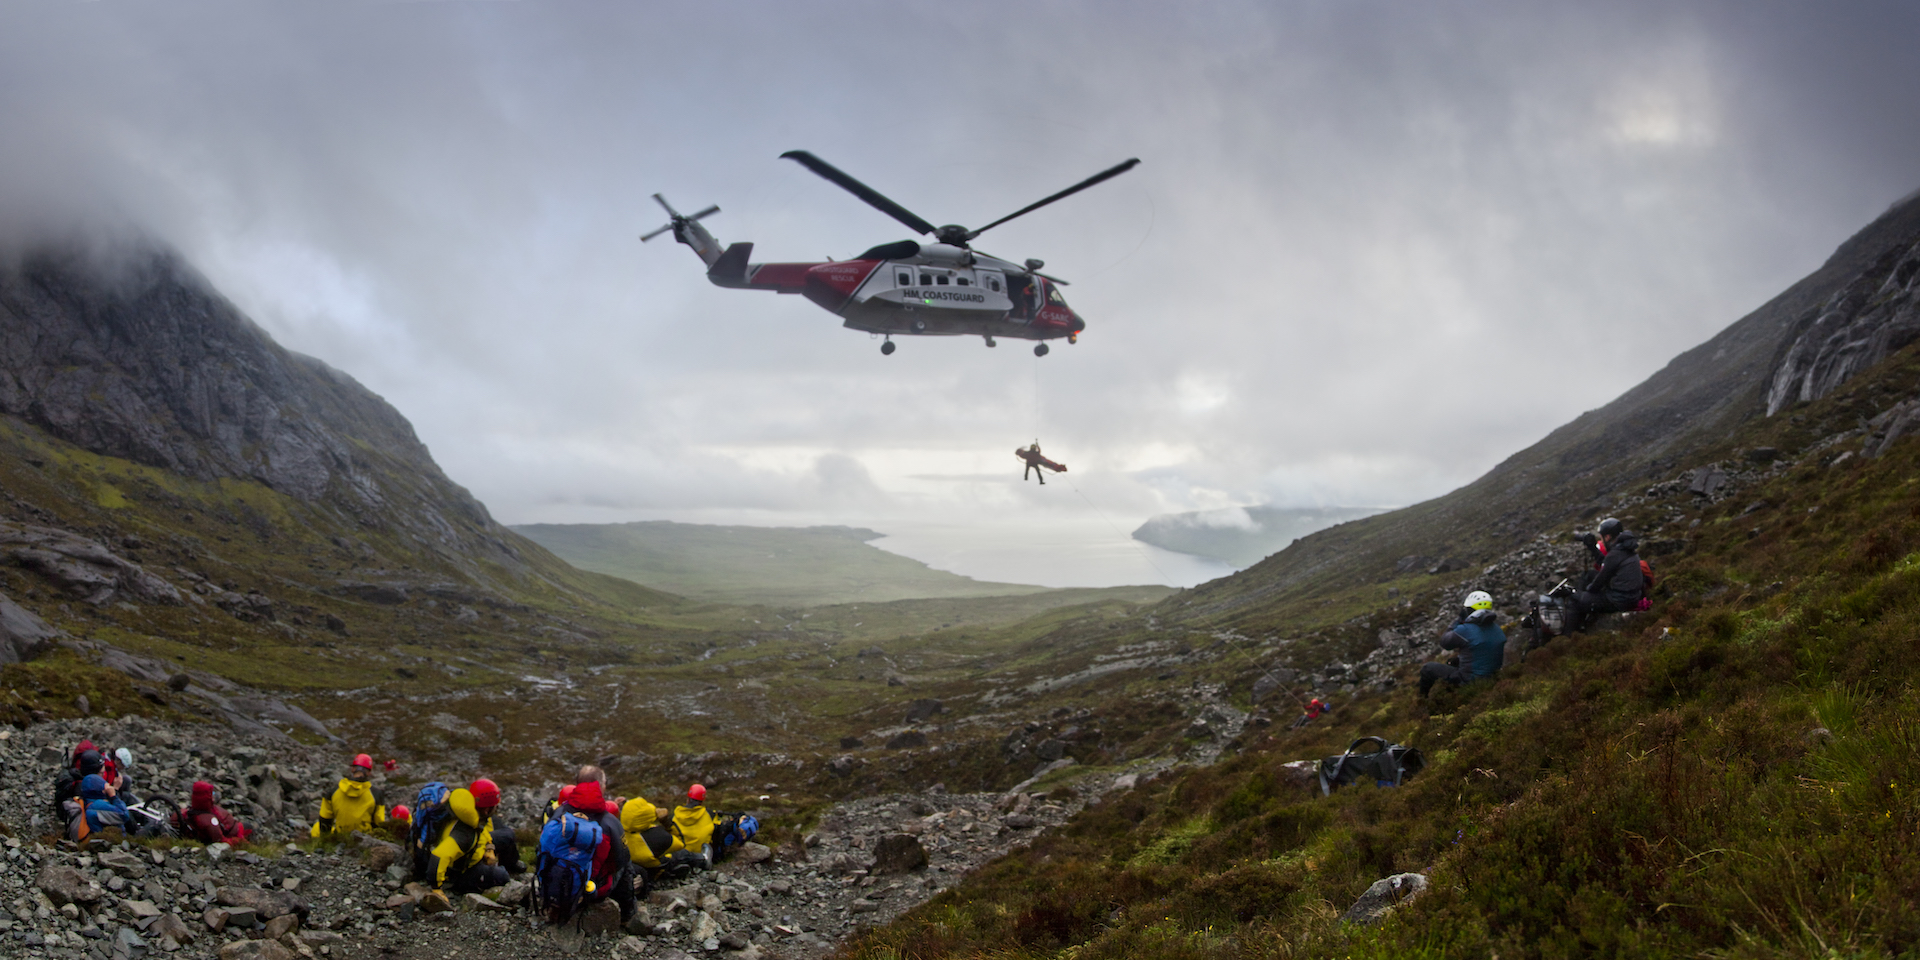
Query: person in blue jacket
column 103, row 808
column 1478, row 637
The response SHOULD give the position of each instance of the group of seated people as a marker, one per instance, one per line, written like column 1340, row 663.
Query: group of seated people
column 1617, row 581
column 92, row 795
column 455, row 846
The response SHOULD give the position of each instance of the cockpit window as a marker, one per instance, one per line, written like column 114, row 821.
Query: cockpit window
column 1053, row 294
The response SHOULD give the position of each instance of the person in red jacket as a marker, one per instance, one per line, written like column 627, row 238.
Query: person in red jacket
column 204, row 820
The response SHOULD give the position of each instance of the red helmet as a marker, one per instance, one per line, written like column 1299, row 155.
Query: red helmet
column 697, row 793
column 401, row 813
column 392, row 764
column 486, row 794
column 363, row 761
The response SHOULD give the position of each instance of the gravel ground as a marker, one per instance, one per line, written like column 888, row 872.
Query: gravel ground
column 868, row 861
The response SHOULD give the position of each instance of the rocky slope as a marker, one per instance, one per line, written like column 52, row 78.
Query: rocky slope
column 124, row 351
column 864, row 863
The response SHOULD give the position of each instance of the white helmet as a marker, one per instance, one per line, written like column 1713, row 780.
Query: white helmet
column 1478, row 600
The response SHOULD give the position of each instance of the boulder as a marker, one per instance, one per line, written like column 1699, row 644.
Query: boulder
column 907, row 739
column 267, row 904
column 255, row 950
column 64, row 884
column 600, row 920
column 1299, row 774
column 1050, row 749
column 215, row 919
column 851, row 743
column 899, row 853
column 379, row 855
column 1020, row 821
column 752, row 853
column 481, row 903
column 242, row 918
column 23, row 636
column 282, row 927
column 922, row 710
column 842, row 765
column 641, row 923
column 171, row 928
column 1384, row 896
column 704, row 927
column 124, row 864
column 140, row 909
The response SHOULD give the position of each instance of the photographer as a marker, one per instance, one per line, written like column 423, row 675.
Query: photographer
column 1483, row 643
column 1617, row 584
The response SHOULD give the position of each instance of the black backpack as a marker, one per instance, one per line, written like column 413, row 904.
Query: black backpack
column 1388, row 765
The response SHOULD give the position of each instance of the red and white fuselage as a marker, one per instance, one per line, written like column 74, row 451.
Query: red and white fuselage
column 905, row 288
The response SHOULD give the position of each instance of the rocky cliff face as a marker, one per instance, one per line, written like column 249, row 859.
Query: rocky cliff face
column 131, row 354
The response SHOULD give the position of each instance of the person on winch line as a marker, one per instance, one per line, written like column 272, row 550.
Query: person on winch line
column 1618, row 583
column 354, row 805
column 1035, row 462
column 1478, row 635
column 1316, row 708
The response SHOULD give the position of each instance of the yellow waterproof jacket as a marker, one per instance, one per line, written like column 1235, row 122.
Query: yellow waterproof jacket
column 636, row 818
column 462, row 840
column 352, row 806
column 692, row 828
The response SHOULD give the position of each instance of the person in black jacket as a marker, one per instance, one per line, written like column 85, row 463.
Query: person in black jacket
column 1617, row 585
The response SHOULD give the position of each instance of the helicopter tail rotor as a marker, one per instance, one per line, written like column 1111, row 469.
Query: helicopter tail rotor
column 675, row 218
column 687, row 230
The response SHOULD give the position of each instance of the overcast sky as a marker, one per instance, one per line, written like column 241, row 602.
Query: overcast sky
column 1372, row 247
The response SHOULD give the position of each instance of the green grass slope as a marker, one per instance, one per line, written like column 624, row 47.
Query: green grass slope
column 785, row 566
column 1727, row 775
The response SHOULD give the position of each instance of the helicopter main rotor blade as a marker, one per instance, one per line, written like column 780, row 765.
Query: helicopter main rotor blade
column 874, row 198
column 1068, row 192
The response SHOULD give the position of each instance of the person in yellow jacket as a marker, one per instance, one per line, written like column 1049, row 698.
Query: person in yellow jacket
column 692, row 824
column 461, row 859
column 354, row 805
column 647, row 839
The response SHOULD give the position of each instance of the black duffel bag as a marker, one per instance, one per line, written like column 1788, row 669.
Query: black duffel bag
column 1387, row 765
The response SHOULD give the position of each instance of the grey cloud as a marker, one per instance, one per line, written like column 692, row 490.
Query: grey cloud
column 1373, row 247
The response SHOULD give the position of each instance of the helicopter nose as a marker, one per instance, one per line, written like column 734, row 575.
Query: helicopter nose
column 1078, row 324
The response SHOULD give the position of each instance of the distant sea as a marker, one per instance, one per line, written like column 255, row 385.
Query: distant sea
column 1058, row 553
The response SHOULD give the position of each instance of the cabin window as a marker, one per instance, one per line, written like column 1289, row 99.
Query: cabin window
column 925, row 279
column 960, row 280
column 994, row 285
column 906, row 279
column 940, row 281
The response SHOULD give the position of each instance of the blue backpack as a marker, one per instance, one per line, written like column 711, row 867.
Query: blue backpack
column 731, row 831
column 429, row 812
column 565, row 864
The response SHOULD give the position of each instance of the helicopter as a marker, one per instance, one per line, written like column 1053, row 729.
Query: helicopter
column 942, row 288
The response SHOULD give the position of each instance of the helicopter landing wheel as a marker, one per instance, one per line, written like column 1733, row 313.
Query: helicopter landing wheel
column 1040, row 350
column 1073, row 338
column 886, row 349
column 991, row 342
